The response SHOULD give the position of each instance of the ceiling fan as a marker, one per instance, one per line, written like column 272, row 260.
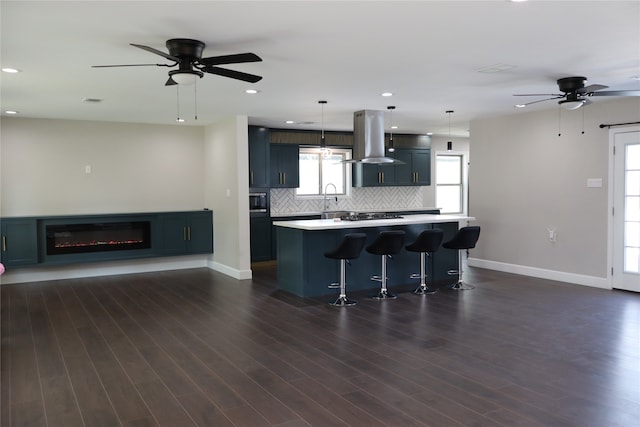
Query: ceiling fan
column 187, row 55
column 575, row 94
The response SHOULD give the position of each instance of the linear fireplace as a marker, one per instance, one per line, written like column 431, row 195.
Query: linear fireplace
column 97, row 237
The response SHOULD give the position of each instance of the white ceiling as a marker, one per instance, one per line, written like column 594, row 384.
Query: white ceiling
column 427, row 53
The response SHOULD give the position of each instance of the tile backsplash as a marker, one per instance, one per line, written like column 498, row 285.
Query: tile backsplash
column 284, row 201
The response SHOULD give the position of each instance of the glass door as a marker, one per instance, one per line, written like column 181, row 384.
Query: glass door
column 626, row 217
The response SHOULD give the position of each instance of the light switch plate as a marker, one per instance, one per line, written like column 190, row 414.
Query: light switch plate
column 594, row 182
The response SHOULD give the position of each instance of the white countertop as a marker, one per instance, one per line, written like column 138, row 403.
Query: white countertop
column 399, row 210
column 336, row 224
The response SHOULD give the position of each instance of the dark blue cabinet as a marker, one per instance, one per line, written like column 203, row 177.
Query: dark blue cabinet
column 60, row 240
column 416, row 169
column 260, row 235
column 186, row 232
column 284, row 166
column 258, row 156
column 19, row 242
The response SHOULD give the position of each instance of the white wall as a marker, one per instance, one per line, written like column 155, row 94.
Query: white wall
column 134, row 167
column 526, row 179
column 226, row 186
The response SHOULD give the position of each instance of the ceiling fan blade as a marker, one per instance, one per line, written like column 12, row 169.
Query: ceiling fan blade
column 238, row 75
column 617, row 93
column 230, row 59
column 170, row 82
column 156, row 51
column 543, row 100
column 539, row 94
column 591, row 88
column 132, row 65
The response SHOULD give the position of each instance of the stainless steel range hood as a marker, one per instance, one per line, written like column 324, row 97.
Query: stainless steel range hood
column 368, row 138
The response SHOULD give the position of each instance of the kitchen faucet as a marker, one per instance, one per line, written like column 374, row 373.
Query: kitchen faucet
column 325, row 200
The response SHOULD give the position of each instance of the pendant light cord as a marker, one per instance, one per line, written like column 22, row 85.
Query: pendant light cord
column 323, row 144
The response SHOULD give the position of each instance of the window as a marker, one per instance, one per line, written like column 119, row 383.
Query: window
column 318, row 169
column 449, row 183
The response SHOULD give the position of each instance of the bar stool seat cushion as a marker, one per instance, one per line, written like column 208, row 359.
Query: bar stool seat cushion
column 387, row 243
column 428, row 241
column 350, row 247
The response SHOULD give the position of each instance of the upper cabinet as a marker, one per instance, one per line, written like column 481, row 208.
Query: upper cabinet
column 373, row 175
column 258, row 156
column 416, row 169
column 284, row 166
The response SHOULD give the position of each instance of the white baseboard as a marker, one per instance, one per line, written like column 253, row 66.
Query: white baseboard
column 76, row 271
column 231, row 272
column 560, row 276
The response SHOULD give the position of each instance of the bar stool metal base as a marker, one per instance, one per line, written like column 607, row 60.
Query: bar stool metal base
column 384, row 294
column 423, row 289
column 343, row 301
column 461, row 286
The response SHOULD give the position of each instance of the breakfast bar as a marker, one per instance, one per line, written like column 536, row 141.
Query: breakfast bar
column 303, row 269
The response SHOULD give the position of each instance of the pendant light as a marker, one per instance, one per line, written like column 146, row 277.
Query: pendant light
column 323, row 144
column 391, row 147
column 449, row 142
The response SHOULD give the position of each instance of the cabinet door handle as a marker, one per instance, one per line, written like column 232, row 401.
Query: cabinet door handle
column 184, row 233
column 251, row 177
column 284, row 178
column 189, row 233
column 4, row 243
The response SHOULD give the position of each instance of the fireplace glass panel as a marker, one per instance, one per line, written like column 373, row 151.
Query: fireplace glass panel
column 97, row 237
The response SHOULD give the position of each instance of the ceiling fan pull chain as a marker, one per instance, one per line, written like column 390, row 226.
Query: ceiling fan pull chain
column 559, row 119
column 583, row 121
column 178, row 102
column 195, row 99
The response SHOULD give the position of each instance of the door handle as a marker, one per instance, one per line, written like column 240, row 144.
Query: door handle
column 4, row 243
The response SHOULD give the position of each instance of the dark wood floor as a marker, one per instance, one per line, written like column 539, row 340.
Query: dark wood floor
column 195, row 347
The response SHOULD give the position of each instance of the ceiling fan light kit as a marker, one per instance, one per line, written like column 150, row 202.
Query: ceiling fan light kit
column 186, row 77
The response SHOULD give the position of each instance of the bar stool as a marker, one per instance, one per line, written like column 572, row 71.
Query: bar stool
column 350, row 248
column 465, row 239
column 387, row 243
column 427, row 243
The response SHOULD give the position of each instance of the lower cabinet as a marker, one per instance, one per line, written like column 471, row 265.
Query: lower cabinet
column 186, row 232
column 60, row 240
column 19, row 242
column 260, row 234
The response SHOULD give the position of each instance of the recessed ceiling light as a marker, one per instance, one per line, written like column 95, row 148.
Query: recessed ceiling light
column 520, row 105
column 386, row 94
column 10, row 112
column 10, row 70
column 289, row 122
column 429, row 133
column 394, row 127
column 636, row 77
column 251, row 91
column 179, row 120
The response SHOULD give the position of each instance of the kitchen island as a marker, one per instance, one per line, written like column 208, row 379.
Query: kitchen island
column 303, row 269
